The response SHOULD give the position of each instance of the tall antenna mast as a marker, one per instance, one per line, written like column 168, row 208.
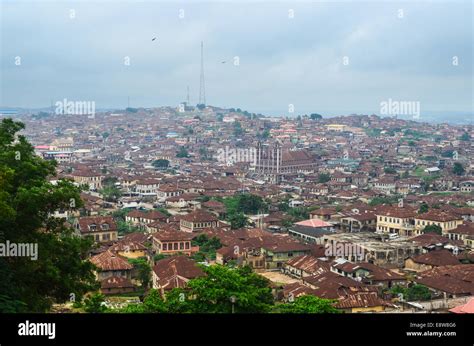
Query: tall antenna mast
column 202, row 89
column 187, row 95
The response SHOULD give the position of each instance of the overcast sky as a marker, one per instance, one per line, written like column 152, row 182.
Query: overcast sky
column 283, row 60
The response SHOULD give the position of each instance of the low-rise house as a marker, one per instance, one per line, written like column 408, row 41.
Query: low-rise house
column 197, row 221
column 92, row 204
column 174, row 272
column 396, row 220
column 464, row 233
column 167, row 191
column 276, row 251
column 466, row 186
column 110, row 264
column 367, row 273
column 147, row 186
column 305, row 265
column 431, row 241
column 153, row 216
column 362, row 302
column 101, row 228
column 134, row 217
column 386, row 185
column 129, row 249
column 228, row 253
column 92, row 179
column 430, row 260
column 141, row 218
column 173, row 242
column 116, row 285
column 359, row 222
column 352, row 296
column 215, row 207
column 187, row 200
column 311, row 230
column 467, row 308
column 451, row 281
column 446, row 220
column 325, row 214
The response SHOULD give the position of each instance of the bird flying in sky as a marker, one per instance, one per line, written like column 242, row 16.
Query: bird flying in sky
column 154, row 38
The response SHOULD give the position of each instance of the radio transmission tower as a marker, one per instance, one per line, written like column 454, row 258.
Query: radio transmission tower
column 202, row 88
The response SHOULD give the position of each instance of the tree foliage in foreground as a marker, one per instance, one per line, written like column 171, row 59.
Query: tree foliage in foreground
column 213, row 293
column 308, row 305
column 27, row 201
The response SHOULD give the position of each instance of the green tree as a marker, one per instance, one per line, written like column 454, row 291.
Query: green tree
column 221, row 290
column 95, row 303
column 109, row 181
column 465, row 137
column 433, row 229
column 111, row 193
column 389, row 170
column 163, row 211
column 245, row 203
column 158, row 257
column 213, row 293
column 315, row 116
column 423, row 208
column 324, row 178
column 237, row 220
column 178, row 301
column 413, row 293
column 126, row 228
column 308, row 304
column 419, row 292
column 183, row 152
column 143, row 270
column 161, row 163
column 207, row 246
column 27, row 202
column 458, row 169
column 153, row 302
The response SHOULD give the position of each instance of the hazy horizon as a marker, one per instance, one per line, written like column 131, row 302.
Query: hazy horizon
column 299, row 61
